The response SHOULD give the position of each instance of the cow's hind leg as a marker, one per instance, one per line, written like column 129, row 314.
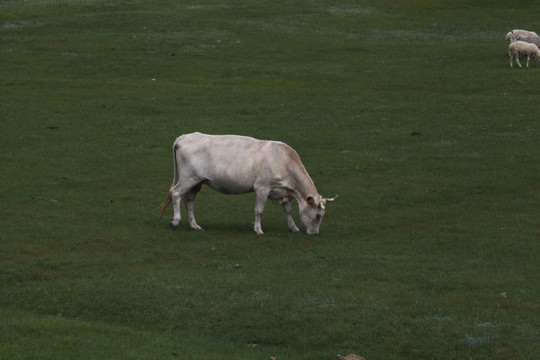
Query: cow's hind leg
column 189, row 202
column 178, row 192
column 287, row 209
column 176, row 198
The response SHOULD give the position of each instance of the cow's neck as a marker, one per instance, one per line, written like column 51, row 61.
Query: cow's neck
column 303, row 185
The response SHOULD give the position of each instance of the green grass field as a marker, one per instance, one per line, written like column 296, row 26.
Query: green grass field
column 406, row 109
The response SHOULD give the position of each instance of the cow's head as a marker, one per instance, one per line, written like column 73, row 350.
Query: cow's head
column 312, row 212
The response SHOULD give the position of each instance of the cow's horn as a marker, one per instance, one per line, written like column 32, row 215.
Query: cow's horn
column 331, row 199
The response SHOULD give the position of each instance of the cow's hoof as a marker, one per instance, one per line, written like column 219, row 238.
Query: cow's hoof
column 172, row 226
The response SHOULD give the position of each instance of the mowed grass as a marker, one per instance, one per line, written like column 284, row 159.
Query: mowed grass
column 406, row 109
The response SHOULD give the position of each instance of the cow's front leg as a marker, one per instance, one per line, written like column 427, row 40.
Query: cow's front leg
column 287, row 209
column 176, row 198
column 260, row 201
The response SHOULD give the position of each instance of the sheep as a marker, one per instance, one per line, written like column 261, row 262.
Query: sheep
column 520, row 48
column 530, row 39
column 514, row 34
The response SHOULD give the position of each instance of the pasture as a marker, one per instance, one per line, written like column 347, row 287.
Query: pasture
column 407, row 109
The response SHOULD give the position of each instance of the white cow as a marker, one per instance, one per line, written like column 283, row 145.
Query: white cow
column 233, row 164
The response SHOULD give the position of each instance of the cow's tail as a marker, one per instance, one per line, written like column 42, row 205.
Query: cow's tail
column 165, row 205
column 169, row 197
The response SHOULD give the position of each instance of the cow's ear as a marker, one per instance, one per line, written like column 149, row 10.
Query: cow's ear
column 310, row 200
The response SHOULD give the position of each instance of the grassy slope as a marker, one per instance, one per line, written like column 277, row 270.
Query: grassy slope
column 410, row 262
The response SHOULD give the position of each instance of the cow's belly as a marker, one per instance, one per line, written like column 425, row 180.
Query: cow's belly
column 227, row 186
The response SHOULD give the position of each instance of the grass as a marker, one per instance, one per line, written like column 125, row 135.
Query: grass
column 407, row 109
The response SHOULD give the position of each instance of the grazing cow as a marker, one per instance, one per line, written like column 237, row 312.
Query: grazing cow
column 233, row 164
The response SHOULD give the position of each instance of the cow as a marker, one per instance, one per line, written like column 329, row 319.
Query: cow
column 234, row 164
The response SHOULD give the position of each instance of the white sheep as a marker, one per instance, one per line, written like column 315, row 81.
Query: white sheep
column 531, row 39
column 514, row 34
column 521, row 48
